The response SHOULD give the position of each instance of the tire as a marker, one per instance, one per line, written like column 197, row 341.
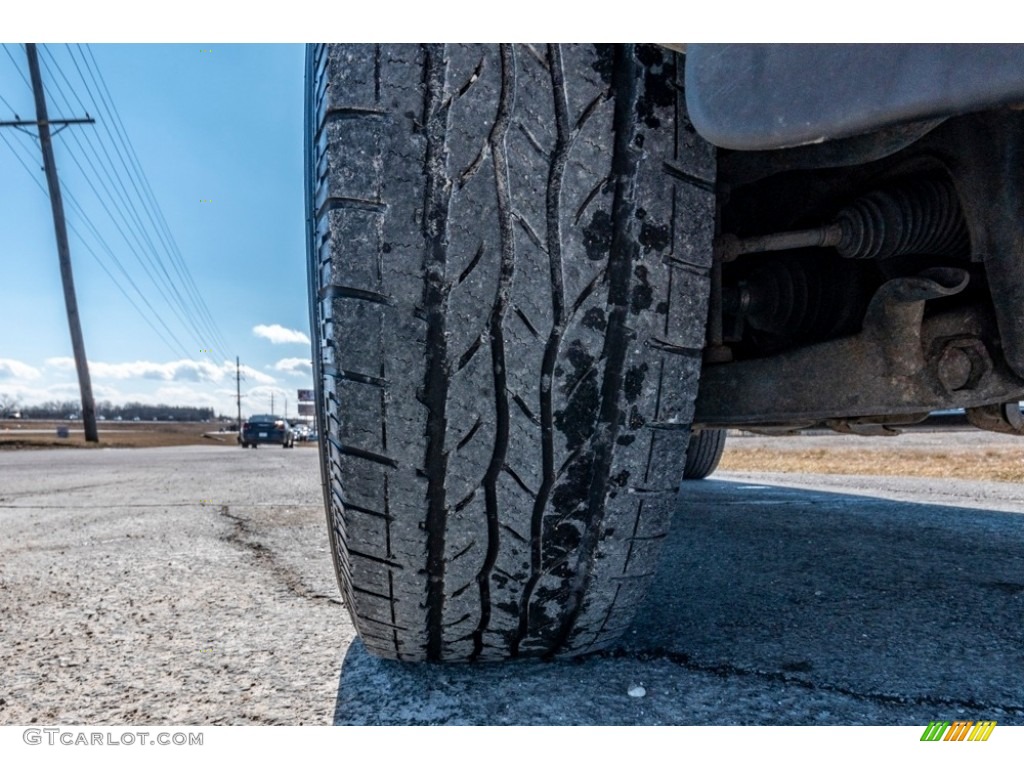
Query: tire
column 703, row 453
column 509, row 252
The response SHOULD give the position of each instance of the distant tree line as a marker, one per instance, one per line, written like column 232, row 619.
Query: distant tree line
column 61, row 409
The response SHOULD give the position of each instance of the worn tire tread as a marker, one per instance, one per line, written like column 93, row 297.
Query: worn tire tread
column 493, row 239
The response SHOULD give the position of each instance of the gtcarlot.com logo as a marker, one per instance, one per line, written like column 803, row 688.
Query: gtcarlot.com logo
column 960, row 730
column 75, row 738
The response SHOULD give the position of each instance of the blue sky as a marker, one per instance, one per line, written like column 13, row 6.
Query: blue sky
column 217, row 131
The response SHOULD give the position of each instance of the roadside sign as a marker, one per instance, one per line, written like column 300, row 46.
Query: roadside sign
column 305, row 396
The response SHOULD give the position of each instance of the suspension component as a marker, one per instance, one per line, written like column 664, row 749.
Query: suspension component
column 920, row 216
column 795, row 298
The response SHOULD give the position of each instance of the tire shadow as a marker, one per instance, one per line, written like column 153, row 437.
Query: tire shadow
column 770, row 605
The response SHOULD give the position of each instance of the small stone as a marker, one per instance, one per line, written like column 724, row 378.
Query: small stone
column 637, row 691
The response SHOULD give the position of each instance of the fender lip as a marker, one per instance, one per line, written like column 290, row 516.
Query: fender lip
column 760, row 97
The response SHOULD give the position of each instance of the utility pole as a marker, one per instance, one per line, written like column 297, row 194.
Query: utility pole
column 238, row 391
column 43, row 123
column 271, row 402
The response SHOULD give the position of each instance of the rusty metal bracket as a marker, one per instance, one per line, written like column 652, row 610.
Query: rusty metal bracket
column 985, row 156
column 1000, row 417
column 902, row 365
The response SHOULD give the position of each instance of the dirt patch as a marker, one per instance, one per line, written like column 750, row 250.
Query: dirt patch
column 23, row 434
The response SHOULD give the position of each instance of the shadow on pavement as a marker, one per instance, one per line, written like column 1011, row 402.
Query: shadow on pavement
column 770, row 606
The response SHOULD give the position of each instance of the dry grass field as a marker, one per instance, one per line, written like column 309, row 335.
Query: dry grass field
column 965, row 454
column 28, row 434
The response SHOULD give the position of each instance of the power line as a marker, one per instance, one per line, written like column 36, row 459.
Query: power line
column 182, row 295
column 138, row 231
column 170, row 245
column 138, row 247
column 134, row 223
column 104, row 244
column 174, row 250
column 15, row 63
column 13, row 110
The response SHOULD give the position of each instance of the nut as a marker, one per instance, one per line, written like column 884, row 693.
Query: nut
column 962, row 364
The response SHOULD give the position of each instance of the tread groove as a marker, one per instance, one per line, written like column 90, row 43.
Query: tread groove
column 536, row 56
column 469, row 435
column 554, row 341
column 468, row 355
column 437, row 199
column 675, row 349
column 365, row 511
column 526, row 321
column 590, row 198
column 472, row 264
column 689, row 178
column 519, row 481
column 516, row 535
column 466, row 501
column 335, row 291
column 375, row 559
column 364, row 378
column 530, row 232
column 589, row 110
column 620, row 259
column 525, row 409
column 471, row 169
column 335, row 203
column 532, row 141
column 501, row 301
column 359, row 453
column 687, row 266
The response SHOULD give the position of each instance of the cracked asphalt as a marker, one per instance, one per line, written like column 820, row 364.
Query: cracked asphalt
column 193, row 585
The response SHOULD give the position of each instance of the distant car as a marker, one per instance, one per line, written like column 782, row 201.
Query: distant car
column 301, row 432
column 313, row 435
column 267, row 428
column 137, row 419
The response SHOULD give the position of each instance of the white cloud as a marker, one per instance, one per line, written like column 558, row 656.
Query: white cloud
column 15, row 369
column 178, row 382
column 61, row 363
column 177, row 370
column 296, row 366
column 252, row 375
column 278, row 334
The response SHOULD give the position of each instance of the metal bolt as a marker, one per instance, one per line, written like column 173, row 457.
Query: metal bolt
column 962, row 365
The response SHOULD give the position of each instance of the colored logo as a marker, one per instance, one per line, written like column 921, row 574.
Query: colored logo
column 960, row 730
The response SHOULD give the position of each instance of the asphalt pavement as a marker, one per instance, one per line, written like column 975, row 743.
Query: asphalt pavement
column 194, row 585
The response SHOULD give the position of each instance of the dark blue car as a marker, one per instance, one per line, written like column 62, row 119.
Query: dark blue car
column 267, row 429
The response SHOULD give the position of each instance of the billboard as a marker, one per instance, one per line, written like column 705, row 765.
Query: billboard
column 306, row 409
column 305, row 396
